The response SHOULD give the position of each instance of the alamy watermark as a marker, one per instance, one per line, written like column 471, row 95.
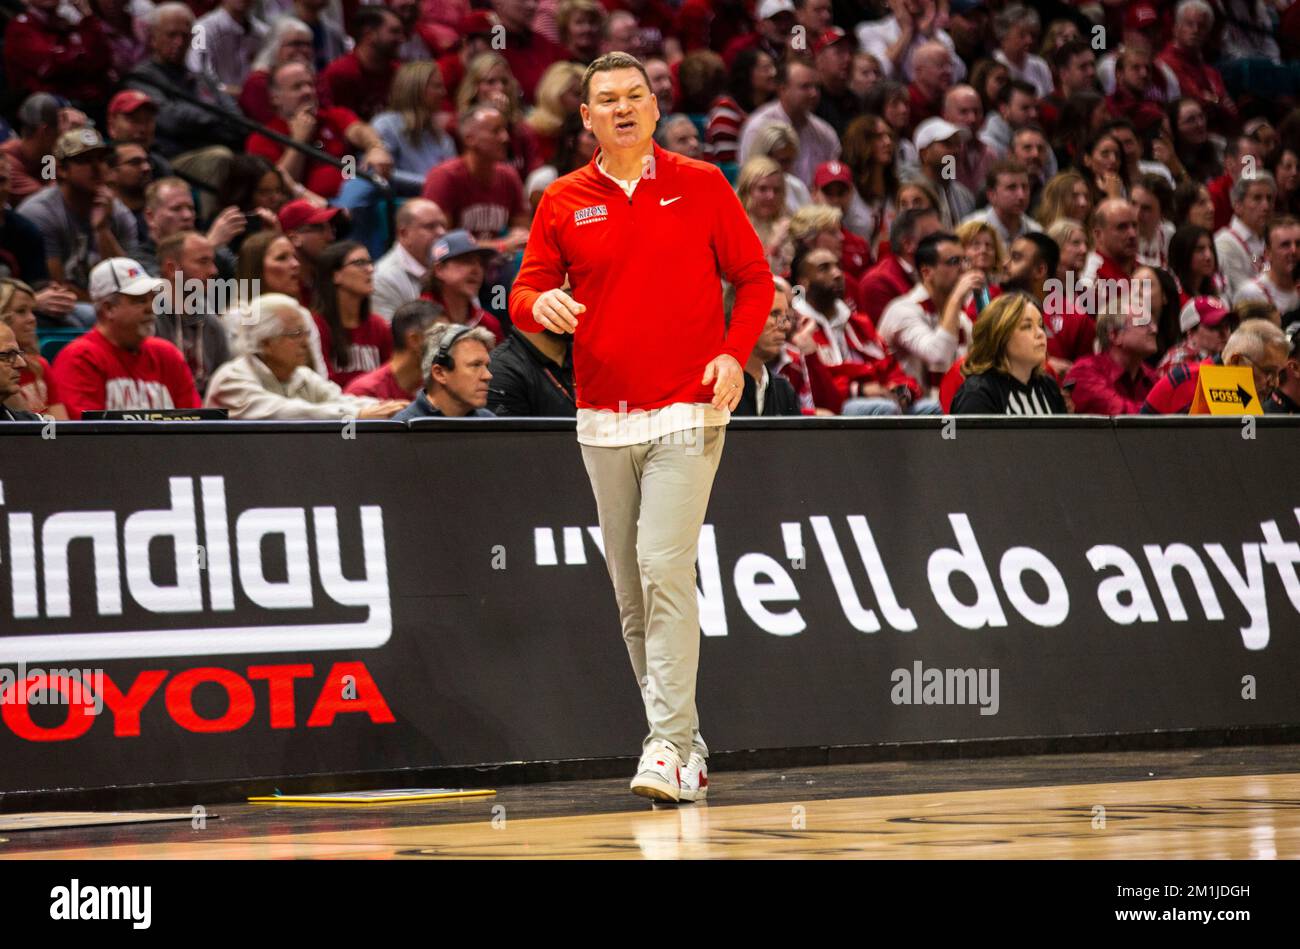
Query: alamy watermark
column 52, row 687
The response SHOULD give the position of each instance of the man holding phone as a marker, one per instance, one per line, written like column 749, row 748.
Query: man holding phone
column 657, row 375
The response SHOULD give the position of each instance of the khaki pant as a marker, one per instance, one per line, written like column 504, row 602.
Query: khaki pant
column 651, row 498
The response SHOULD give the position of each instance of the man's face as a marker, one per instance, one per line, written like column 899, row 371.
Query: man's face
column 310, row 239
column 1116, row 232
column 86, row 172
column 468, row 380
column 822, row 273
column 1256, row 206
column 1024, row 269
column 129, row 320
column 932, row 70
column 1266, row 369
column 936, row 154
column 174, row 212
column 428, row 223
column 963, row 108
column 661, row 83
column 1148, row 209
column 1138, row 336
column 1030, row 149
column 779, row 320
column 584, row 32
column 294, row 89
column 1021, row 109
column 131, row 173
column 1283, row 249
column 388, row 37
column 835, row 62
column 837, row 194
column 815, row 16
column 683, row 139
column 171, row 38
column 462, row 274
column 198, row 260
column 625, row 35
column 944, row 274
column 800, row 94
column 621, row 111
column 1135, row 75
column 487, row 135
column 9, row 371
column 777, row 29
column 1010, row 195
column 1080, row 74
column 136, row 126
column 1209, row 339
column 1192, row 29
column 1128, row 144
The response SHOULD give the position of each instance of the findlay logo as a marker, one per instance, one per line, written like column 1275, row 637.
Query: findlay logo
column 589, row 215
column 229, row 558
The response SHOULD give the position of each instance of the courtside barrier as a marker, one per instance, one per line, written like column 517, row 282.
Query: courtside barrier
column 207, row 603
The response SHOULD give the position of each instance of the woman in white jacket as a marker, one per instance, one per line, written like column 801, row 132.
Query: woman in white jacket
column 272, row 379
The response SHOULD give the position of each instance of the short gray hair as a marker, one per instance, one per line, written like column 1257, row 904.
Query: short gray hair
column 433, row 337
column 1242, row 185
column 281, row 29
column 1253, row 338
column 1109, row 321
column 1011, row 16
column 1187, row 6
column 661, row 133
column 260, row 319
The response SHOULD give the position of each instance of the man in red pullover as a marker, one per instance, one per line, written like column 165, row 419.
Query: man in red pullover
column 120, row 364
column 895, row 275
column 642, row 239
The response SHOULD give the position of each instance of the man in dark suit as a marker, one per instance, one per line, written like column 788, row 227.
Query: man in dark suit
column 768, row 393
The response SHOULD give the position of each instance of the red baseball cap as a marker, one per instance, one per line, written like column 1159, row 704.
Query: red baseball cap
column 829, row 171
column 128, row 101
column 1139, row 16
column 1202, row 311
column 828, row 38
column 477, row 22
column 302, row 213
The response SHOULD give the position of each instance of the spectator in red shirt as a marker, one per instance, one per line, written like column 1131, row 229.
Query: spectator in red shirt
column 1131, row 98
column 310, row 229
column 867, row 378
column 476, row 31
column 1259, row 344
column 120, row 364
column 833, row 186
column 1185, row 55
column 400, row 377
column 489, row 82
column 478, row 191
column 894, row 275
column 45, row 53
column 1115, row 237
column 527, row 51
column 456, row 277
column 1116, row 380
column 932, row 77
column 39, row 124
column 290, row 40
column 360, row 80
column 1076, row 71
column 336, row 131
column 354, row 340
column 1241, row 154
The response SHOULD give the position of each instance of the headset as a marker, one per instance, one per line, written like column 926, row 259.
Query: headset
column 442, row 357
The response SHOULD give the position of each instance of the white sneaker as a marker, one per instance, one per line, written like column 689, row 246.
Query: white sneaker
column 695, row 778
column 658, row 776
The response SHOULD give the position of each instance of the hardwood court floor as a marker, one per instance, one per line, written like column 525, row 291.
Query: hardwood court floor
column 1228, row 803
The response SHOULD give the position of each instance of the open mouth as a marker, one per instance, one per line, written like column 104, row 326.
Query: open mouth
column 625, row 125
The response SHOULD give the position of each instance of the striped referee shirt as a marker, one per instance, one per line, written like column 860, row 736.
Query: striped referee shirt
column 996, row 393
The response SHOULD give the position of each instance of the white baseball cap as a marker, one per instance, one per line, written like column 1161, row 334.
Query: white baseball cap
column 769, row 8
column 935, row 130
column 121, row 275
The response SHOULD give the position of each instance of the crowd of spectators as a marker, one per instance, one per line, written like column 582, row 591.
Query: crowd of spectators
column 969, row 207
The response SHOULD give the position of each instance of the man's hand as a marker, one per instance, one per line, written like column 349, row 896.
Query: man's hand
column 55, row 300
column 101, row 208
column 967, row 283
column 70, row 118
column 229, row 223
column 558, row 311
column 303, row 124
column 803, row 337
column 379, row 161
column 385, row 409
column 728, row 381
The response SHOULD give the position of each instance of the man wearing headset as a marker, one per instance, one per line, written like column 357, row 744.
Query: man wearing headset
column 455, row 369
column 644, row 238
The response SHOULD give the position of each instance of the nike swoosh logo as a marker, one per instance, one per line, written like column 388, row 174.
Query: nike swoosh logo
column 664, row 202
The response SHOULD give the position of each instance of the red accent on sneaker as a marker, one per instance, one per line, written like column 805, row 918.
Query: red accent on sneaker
column 660, row 763
column 704, row 781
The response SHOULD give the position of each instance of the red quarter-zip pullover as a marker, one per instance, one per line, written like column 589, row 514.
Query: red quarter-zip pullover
column 649, row 269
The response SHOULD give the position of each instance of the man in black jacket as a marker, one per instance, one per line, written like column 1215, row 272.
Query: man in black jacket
column 12, row 364
column 768, row 393
column 532, row 375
